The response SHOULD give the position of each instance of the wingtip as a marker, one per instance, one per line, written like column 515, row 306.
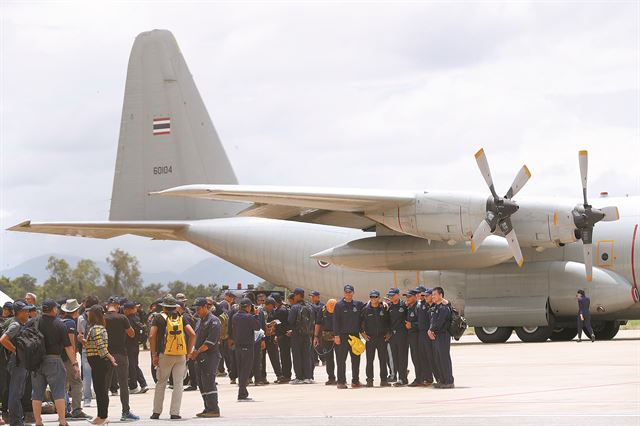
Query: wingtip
column 583, row 152
column 480, row 153
column 20, row 226
column 526, row 170
column 520, row 263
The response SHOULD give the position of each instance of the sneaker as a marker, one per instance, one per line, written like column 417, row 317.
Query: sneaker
column 356, row 385
column 399, row 384
column 135, row 390
column 369, row 384
column 175, row 417
column 283, row 380
column 190, row 388
column 342, row 386
column 330, row 382
column 79, row 414
column 144, row 389
column 127, row 417
column 437, row 386
column 385, row 384
column 87, row 403
column 579, row 340
column 209, row 414
column 246, row 399
column 297, row 382
column 221, row 374
column 155, row 416
column 593, row 338
column 308, row 382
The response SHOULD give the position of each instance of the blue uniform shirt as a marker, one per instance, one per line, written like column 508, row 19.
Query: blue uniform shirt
column 397, row 316
column 346, row 317
column 375, row 321
column 244, row 325
column 424, row 316
column 412, row 317
column 440, row 318
column 208, row 332
column 325, row 320
column 583, row 306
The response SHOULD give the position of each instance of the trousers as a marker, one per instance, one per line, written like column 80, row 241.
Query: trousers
column 175, row 366
column 301, row 353
column 135, row 373
column 120, row 374
column 443, row 357
column 284, row 345
column 584, row 324
column 206, row 371
column 274, row 358
column 244, row 364
column 86, row 377
column 327, row 348
column 342, row 350
column 17, row 380
column 101, row 377
column 399, row 351
column 427, row 356
column 373, row 345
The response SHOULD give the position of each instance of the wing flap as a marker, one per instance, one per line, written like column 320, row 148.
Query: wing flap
column 162, row 230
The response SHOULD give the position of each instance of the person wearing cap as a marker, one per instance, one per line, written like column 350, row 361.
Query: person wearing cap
column 283, row 338
column 323, row 339
column 70, row 315
column 154, row 310
column 119, row 329
column 5, row 321
column 206, row 355
column 7, row 310
column 271, row 341
column 317, row 305
column 375, row 329
column 584, row 316
column 133, row 348
column 399, row 340
column 411, row 324
column 18, row 373
column 301, row 337
column 227, row 354
column 346, row 322
column 82, row 334
column 168, row 364
column 439, row 334
column 427, row 351
column 52, row 371
column 245, row 324
column 180, row 297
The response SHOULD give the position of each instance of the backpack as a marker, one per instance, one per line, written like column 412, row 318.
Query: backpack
column 174, row 339
column 224, row 326
column 306, row 320
column 142, row 331
column 458, row 324
column 29, row 345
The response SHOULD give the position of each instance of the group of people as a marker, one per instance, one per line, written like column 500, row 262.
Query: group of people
column 71, row 347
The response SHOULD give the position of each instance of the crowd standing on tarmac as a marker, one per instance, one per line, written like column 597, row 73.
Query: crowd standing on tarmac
column 208, row 339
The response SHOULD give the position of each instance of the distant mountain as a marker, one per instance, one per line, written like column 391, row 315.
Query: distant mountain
column 210, row 270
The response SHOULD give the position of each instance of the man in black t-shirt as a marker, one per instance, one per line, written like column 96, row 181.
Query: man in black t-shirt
column 118, row 328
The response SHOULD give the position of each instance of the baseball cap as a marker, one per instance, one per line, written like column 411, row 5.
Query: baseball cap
column 200, row 301
column 421, row 289
column 245, row 302
column 114, row 300
column 19, row 305
column 48, row 305
column 229, row 293
column 348, row 288
column 374, row 293
column 411, row 292
column 130, row 305
column 315, row 293
column 298, row 291
column 270, row 301
column 428, row 290
column 392, row 291
column 8, row 305
column 181, row 297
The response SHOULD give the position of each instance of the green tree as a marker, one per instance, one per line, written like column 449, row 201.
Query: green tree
column 126, row 279
column 18, row 287
column 59, row 279
column 85, row 278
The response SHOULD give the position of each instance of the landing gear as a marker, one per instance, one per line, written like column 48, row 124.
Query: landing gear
column 493, row 334
column 534, row 334
column 606, row 330
column 563, row 334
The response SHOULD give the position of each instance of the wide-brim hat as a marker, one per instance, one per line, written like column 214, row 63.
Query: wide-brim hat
column 72, row 305
column 169, row 302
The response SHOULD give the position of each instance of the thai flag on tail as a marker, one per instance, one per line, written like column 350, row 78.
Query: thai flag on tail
column 161, row 126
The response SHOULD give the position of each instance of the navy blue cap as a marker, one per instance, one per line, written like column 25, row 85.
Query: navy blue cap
column 374, row 293
column 7, row 305
column 200, row 301
column 348, row 288
column 129, row 305
column 245, row 302
column 270, row 301
column 392, row 291
column 298, row 291
column 114, row 300
column 411, row 292
column 229, row 293
column 421, row 289
column 48, row 305
column 428, row 290
column 290, row 296
column 19, row 305
column 315, row 293
column 276, row 296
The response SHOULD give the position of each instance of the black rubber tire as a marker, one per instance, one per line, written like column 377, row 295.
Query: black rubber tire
column 534, row 334
column 500, row 335
column 563, row 334
column 607, row 331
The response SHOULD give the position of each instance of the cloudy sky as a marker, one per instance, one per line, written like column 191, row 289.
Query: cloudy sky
column 362, row 94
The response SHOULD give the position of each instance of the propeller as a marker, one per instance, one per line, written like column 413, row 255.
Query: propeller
column 499, row 209
column 585, row 217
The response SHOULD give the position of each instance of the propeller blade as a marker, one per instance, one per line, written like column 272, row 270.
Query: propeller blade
column 483, row 165
column 583, row 158
column 521, row 178
column 512, row 240
column 611, row 213
column 588, row 260
column 482, row 232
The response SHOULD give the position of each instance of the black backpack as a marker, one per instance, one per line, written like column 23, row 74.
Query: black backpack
column 458, row 324
column 306, row 320
column 29, row 345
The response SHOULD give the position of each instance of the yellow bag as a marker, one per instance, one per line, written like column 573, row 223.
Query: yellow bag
column 357, row 345
column 174, row 339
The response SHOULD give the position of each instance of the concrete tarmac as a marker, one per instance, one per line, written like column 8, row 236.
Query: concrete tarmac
column 515, row 383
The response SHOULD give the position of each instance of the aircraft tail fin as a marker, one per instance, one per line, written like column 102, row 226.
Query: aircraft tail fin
column 167, row 138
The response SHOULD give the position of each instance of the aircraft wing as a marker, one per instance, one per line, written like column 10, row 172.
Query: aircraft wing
column 341, row 200
column 161, row 230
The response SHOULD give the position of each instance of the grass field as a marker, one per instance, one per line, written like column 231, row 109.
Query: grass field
column 631, row 325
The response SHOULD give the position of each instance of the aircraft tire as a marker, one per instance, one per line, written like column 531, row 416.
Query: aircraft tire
column 563, row 334
column 493, row 334
column 534, row 334
column 607, row 331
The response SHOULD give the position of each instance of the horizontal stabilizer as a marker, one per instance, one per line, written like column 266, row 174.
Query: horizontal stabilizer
column 160, row 230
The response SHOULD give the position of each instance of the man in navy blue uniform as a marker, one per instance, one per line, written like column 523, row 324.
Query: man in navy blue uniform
column 427, row 351
column 399, row 344
column 375, row 330
column 245, row 324
column 206, row 355
column 411, row 324
column 270, row 339
column 300, row 314
column 346, row 322
column 283, row 337
column 439, row 333
column 225, row 351
column 584, row 316
column 324, row 339
column 317, row 305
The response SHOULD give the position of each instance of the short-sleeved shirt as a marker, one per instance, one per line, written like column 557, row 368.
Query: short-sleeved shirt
column 117, row 326
column 56, row 336
column 72, row 328
column 208, row 332
column 13, row 329
column 161, row 323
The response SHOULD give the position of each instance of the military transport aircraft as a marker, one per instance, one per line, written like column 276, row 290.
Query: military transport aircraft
column 507, row 264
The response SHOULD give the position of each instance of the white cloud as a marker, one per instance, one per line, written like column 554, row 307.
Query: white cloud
column 359, row 94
